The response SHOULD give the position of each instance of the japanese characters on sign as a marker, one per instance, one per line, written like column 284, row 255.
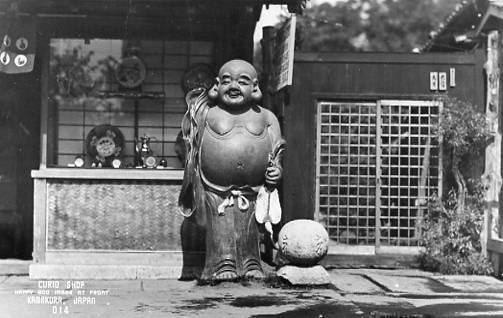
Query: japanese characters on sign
column 283, row 54
column 452, row 77
column 442, row 81
column 439, row 81
column 433, row 81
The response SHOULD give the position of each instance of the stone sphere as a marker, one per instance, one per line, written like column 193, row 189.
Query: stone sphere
column 303, row 242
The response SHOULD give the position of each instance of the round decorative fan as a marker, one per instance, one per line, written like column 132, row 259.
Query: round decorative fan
column 104, row 143
column 130, row 72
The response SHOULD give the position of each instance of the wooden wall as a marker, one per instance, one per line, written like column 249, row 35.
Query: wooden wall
column 19, row 135
column 359, row 77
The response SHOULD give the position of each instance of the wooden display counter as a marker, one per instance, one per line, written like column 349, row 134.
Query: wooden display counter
column 112, row 223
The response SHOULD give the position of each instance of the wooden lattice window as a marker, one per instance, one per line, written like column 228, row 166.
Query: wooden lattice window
column 377, row 163
column 81, row 71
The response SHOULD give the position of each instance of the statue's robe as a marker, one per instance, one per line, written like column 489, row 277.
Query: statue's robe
column 225, row 167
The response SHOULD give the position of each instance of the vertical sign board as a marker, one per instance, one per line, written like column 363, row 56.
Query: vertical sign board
column 17, row 44
column 433, row 81
column 442, row 81
column 452, row 77
column 283, row 54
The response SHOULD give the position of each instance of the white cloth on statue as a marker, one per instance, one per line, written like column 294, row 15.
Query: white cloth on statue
column 268, row 209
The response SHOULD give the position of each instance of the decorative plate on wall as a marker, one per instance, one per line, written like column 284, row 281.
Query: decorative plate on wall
column 196, row 76
column 130, row 72
column 104, row 143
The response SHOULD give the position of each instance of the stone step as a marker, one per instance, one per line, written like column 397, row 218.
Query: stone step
column 411, row 282
column 14, row 267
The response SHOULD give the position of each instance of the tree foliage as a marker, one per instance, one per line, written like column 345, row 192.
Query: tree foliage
column 452, row 226
column 370, row 25
column 463, row 131
column 451, row 239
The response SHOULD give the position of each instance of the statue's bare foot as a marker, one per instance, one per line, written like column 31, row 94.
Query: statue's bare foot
column 225, row 270
column 225, row 276
column 255, row 274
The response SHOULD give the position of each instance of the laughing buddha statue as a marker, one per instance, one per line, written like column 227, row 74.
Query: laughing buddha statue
column 232, row 168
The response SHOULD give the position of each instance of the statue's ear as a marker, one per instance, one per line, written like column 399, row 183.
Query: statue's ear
column 213, row 91
column 256, row 93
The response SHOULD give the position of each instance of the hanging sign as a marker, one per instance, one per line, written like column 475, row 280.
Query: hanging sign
column 442, row 81
column 17, row 47
column 433, row 81
column 284, row 53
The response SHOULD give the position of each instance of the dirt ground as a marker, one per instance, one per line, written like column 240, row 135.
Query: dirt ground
column 352, row 293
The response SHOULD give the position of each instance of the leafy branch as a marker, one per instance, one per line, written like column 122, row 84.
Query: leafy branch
column 463, row 132
column 452, row 226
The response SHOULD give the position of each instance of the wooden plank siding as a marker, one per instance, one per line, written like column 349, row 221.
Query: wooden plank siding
column 359, row 77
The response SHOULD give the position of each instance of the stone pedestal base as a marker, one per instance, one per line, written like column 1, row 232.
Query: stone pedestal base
column 295, row 275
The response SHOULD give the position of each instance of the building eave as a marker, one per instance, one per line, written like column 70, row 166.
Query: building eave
column 459, row 31
column 140, row 6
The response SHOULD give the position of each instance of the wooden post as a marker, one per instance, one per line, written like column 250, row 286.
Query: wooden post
column 267, row 42
column 492, row 173
column 39, row 220
column 267, row 54
column 45, row 149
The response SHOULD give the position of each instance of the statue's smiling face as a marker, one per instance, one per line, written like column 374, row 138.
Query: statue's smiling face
column 236, row 84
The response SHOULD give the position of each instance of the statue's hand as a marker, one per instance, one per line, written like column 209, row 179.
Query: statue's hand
column 273, row 175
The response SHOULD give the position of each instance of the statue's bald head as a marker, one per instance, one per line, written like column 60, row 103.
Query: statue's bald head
column 239, row 66
column 236, row 86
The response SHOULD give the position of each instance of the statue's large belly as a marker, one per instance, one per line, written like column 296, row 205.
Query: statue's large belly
column 237, row 158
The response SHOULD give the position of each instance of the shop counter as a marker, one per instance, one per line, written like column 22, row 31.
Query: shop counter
column 112, row 223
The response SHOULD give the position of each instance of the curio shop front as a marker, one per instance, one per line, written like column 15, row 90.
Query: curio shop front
column 91, row 105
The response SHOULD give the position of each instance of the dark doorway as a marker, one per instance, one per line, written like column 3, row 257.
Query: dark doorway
column 19, row 153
